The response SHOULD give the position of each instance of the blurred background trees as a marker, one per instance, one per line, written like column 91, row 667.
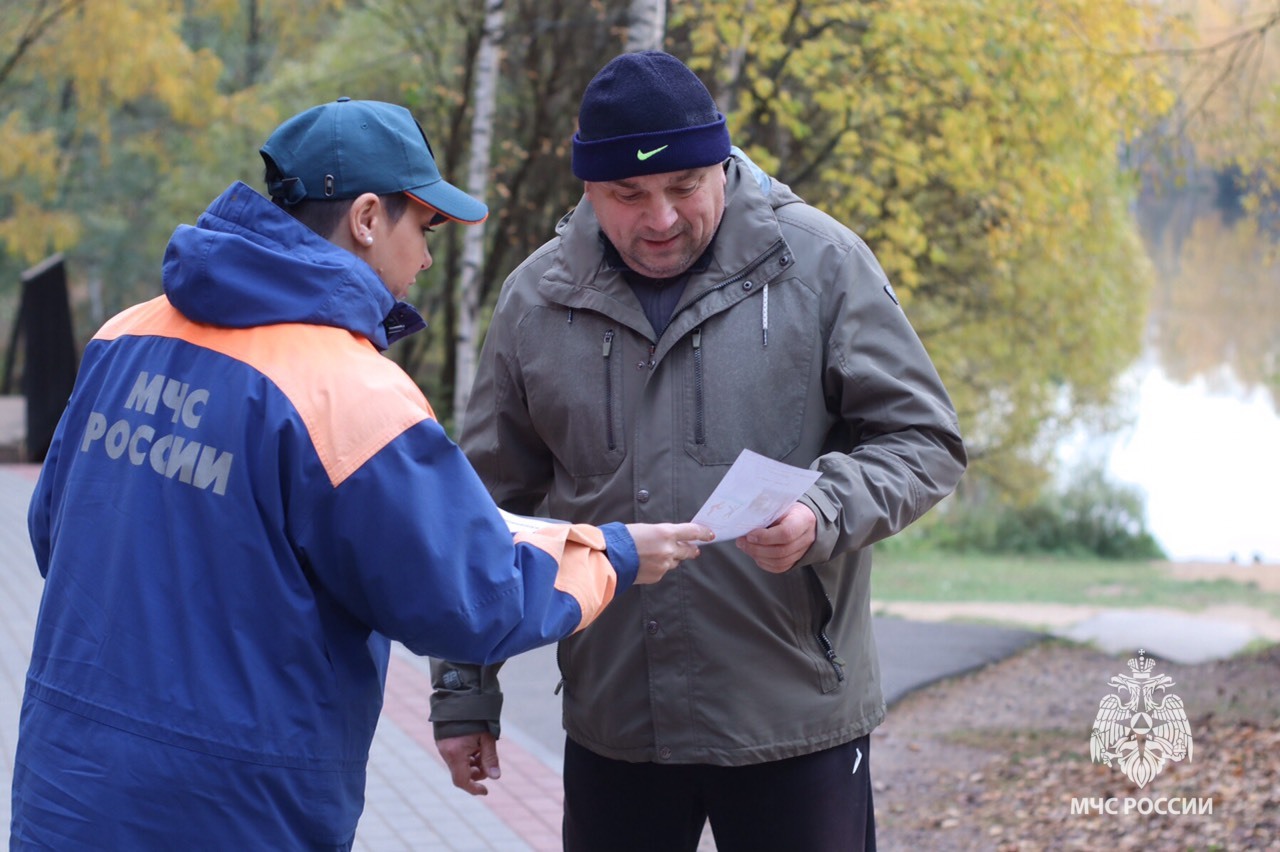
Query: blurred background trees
column 993, row 153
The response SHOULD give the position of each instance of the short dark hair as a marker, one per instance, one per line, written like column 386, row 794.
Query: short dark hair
column 324, row 217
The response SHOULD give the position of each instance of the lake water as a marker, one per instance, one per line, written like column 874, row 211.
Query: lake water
column 1204, row 439
column 1208, row 461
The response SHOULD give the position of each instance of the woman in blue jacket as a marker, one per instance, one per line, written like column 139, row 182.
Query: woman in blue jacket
column 244, row 502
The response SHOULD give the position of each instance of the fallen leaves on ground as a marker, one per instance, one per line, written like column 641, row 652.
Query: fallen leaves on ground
column 993, row 760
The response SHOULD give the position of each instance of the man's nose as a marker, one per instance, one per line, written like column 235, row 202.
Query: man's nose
column 426, row 259
column 661, row 214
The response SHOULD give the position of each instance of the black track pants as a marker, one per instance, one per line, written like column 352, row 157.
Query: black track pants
column 814, row 803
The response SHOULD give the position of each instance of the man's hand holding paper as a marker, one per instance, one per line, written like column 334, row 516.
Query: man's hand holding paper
column 756, row 504
column 778, row 547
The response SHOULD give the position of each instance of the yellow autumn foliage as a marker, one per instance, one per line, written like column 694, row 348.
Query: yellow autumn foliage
column 976, row 145
column 71, row 71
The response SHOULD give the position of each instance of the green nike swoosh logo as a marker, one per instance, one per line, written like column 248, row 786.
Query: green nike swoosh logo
column 644, row 155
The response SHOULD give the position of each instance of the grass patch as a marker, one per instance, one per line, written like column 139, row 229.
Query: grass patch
column 943, row 577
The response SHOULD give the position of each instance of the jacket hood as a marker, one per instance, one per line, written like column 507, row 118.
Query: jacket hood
column 247, row 263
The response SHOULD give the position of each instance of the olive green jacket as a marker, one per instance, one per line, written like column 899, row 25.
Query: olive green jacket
column 790, row 343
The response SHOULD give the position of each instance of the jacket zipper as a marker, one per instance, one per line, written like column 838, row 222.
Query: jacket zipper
column 608, row 389
column 699, row 426
column 764, row 258
column 820, row 630
column 829, row 652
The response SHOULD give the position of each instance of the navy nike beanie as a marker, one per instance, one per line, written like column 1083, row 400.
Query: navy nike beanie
column 646, row 113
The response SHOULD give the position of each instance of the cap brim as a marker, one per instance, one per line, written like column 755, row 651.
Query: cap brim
column 450, row 202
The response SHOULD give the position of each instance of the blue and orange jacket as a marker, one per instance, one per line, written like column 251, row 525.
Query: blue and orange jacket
column 243, row 503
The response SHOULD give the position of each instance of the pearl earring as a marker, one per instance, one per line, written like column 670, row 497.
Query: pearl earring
column 368, row 241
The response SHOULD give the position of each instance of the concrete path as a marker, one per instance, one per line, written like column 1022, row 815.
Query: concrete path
column 1168, row 635
column 1216, row 633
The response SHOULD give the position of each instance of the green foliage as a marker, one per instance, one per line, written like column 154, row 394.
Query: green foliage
column 181, row 104
column 121, row 118
column 1092, row 517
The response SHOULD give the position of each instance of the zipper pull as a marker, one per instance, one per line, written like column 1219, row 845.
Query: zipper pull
column 697, row 338
column 608, row 342
column 764, row 317
column 837, row 663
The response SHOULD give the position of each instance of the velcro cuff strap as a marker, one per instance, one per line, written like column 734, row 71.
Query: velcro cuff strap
column 466, row 707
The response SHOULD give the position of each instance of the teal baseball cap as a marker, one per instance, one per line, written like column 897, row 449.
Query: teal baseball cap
column 346, row 148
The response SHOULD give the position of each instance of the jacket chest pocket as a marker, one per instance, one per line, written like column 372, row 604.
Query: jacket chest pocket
column 741, row 392
column 573, row 379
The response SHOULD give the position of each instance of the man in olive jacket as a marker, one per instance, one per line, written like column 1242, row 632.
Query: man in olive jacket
column 691, row 307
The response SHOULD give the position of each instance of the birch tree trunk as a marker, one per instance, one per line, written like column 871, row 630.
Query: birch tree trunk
column 647, row 25
column 468, row 293
column 727, row 97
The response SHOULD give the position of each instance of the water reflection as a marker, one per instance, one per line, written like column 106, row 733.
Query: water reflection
column 1205, row 440
column 1208, row 458
column 1216, row 302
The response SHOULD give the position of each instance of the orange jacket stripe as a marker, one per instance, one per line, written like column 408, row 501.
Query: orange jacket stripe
column 348, row 421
